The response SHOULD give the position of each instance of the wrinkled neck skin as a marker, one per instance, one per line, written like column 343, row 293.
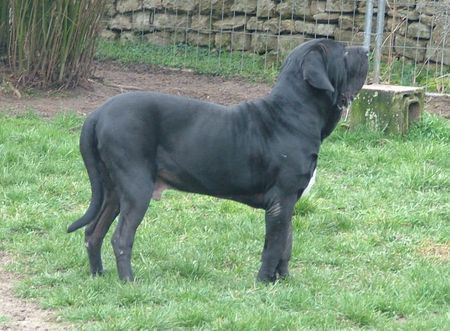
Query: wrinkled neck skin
column 286, row 94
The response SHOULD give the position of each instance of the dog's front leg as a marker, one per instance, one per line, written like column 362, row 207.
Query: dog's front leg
column 278, row 241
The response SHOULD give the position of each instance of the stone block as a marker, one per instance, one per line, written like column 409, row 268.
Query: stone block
column 362, row 7
column 276, row 26
column 120, row 22
column 254, row 24
column 316, row 29
column 326, row 17
column 109, row 35
column 263, row 42
column 349, row 22
column 223, row 40
column 318, row 6
column 294, row 8
column 351, row 37
column 282, row 44
column 110, row 8
column 231, row 23
column 165, row 37
column 396, row 24
column 304, row 27
column 404, row 3
column 410, row 48
column 171, row 22
column 387, row 108
column 201, row 23
column 433, row 7
column 265, row 8
column 324, row 30
column 218, row 8
column 128, row 37
column 286, row 43
column 244, row 6
column 241, row 41
column 428, row 20
column 418, row 30
column 404, row 13
column 438, row 47
column 124, row 6
column 141, row 21
column 200, row 39
column 152, row 4
column 236, row 41
column 340, row 6
column 160, row 38
column 180, row 5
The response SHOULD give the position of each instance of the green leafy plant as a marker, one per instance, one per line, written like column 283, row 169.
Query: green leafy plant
column 51, row 43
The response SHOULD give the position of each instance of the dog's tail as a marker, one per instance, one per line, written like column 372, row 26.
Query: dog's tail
column 91, row 158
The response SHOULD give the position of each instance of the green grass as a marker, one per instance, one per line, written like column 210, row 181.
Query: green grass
column 200, row 59
column 3, row 319
column 432, row 77
column 363, row 240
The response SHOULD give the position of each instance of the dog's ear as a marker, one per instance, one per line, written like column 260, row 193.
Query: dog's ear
column 315, row 72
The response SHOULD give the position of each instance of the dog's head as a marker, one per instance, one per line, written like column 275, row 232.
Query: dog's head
column 329, row 67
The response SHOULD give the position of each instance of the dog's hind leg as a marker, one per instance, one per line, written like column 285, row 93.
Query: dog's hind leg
column 136, row 188
column 95, row 232
column 278, row 242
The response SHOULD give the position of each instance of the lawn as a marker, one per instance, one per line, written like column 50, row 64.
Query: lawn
column 371, row 242
column 201, row 60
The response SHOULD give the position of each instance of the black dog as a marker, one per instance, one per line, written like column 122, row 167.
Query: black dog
column 261, row 153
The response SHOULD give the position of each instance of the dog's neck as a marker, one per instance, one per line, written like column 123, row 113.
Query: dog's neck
column 299, row 110
column 333, row 118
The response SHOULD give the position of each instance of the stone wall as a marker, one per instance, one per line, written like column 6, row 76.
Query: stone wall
column 415, row 29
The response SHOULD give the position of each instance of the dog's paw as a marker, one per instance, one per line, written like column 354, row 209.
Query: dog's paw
column 283, row 269
column 99, row 272
column 266, row 277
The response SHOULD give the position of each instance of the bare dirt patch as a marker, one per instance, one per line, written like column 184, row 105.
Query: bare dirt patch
column 18, row 314
column 111, row 78
column 440, row 252
column 438, row 104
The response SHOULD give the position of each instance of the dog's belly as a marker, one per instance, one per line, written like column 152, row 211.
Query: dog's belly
column 198, row 168
column 218, row 187
column 254, row 200
column 174, row 174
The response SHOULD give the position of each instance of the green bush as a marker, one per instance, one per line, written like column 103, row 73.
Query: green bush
column 3, row 27
column 50, row 43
